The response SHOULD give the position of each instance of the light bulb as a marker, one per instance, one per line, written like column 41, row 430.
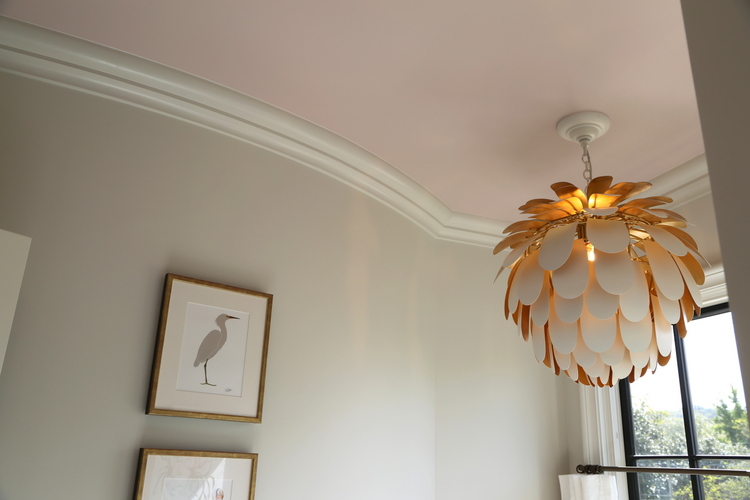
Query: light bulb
column 590, row 252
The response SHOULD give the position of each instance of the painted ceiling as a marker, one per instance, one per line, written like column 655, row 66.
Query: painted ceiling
column 461, row 96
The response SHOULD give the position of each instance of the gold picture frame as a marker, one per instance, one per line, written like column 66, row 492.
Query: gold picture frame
column 178, row 474
column 211, row 351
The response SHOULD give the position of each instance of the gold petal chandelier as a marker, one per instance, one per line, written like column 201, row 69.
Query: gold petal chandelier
column 598, row 277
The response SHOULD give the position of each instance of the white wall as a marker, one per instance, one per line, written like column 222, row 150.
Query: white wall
column 391, row 373
column 14, row 249
column 718, row 36
column 501, row 417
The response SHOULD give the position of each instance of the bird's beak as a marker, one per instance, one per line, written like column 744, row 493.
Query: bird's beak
column 231, row 317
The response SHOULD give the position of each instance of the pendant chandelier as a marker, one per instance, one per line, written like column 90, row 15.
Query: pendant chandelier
column 598, row 277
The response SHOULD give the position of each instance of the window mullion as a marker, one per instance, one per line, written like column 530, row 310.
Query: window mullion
column 691, row 434
column 628, row 437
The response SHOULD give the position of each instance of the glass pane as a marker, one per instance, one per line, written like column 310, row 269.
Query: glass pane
column 716, row 387
column 726, row 487
column 664, row 486
column 658, row 423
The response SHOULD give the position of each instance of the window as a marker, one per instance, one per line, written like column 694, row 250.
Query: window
column 691, row 414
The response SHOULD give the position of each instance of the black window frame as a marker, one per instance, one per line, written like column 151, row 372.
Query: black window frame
column 691, row 435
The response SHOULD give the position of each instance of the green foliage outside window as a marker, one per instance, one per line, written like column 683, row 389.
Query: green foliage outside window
column 663, row 433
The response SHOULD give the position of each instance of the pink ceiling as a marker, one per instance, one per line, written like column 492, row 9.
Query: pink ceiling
column 462, row 96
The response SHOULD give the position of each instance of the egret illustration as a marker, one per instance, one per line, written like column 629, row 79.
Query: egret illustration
column 212, row 344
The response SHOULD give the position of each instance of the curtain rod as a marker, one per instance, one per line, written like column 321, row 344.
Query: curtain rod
column 599, row 469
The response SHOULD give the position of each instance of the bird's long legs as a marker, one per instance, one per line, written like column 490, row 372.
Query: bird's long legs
column 205, row 375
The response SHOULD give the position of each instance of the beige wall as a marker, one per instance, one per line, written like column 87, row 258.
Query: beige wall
column 391, row 373
column 501, row 417
column 718, row 36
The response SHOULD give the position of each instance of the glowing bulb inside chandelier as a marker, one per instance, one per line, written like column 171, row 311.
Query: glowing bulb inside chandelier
column 598, row 278
column 590, row 252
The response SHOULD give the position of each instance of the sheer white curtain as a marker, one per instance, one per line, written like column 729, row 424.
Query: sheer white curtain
column 582, row 487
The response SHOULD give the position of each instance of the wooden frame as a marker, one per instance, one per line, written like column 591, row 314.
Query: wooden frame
column 178, row 474
column 211, row 351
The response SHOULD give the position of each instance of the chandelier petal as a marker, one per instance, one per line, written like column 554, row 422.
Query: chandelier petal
column 570, row 280
column 670, row 309
column 620, row 188
column 614, row 271
column 640, row 359
column 583, row 378
column 552, row 215
column 646, row 203
column 598, row 370
column 663, row 360
column 636, row 335
column 563, row 360
column 573, row 371
column 641, row 214
column 653, row 355
column 599, row 303
column 564, row 336
column 568, row 310
column 525, row 322
column 598, row 200
column 599, row 334
column 523, row 226
column 694, row 268
column 666, row 273
column 598, row 185
column 622, row 369
column 636, row 189
column 684, row 237
column 667, row 214
column 575, row 203
column 585, row 357
column 556, row 246
column 549, row 357
column 635, row 303
column 568, row 206
column 539, row 342
column 690, row 283
column 663, row 331
column 529, row 279
column 518, row 251
column 602, row 212
column 615, row 353
column 540, row 208
column 689, row 308
column 512, row 241
column 540, row 308
column 566, row 190
column 535, row 201
column 608, row 235
column 666, row 239
column 511, row 297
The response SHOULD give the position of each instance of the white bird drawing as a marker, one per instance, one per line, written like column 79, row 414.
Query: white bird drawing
column 213, row 342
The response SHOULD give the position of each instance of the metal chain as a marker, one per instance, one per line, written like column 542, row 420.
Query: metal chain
column 586, row 159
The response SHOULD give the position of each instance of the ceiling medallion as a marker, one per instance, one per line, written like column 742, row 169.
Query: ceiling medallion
column 598, row 277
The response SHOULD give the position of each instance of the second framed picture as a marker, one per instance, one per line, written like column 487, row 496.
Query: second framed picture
column 195, row 475
column 211, row 350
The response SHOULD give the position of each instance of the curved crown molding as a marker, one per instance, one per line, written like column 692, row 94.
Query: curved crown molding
column 34, row 52
column 684, row 183
column 60, row 59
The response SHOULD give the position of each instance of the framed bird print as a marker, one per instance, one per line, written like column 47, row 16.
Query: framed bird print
column 194, row 475
column 211, row 350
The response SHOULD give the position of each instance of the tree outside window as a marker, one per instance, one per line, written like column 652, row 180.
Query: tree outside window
column 691, row 413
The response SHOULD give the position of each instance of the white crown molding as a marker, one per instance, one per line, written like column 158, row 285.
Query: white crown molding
column 38, row 53
column 684, row 183
column 714, row 290
column 34, row 52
